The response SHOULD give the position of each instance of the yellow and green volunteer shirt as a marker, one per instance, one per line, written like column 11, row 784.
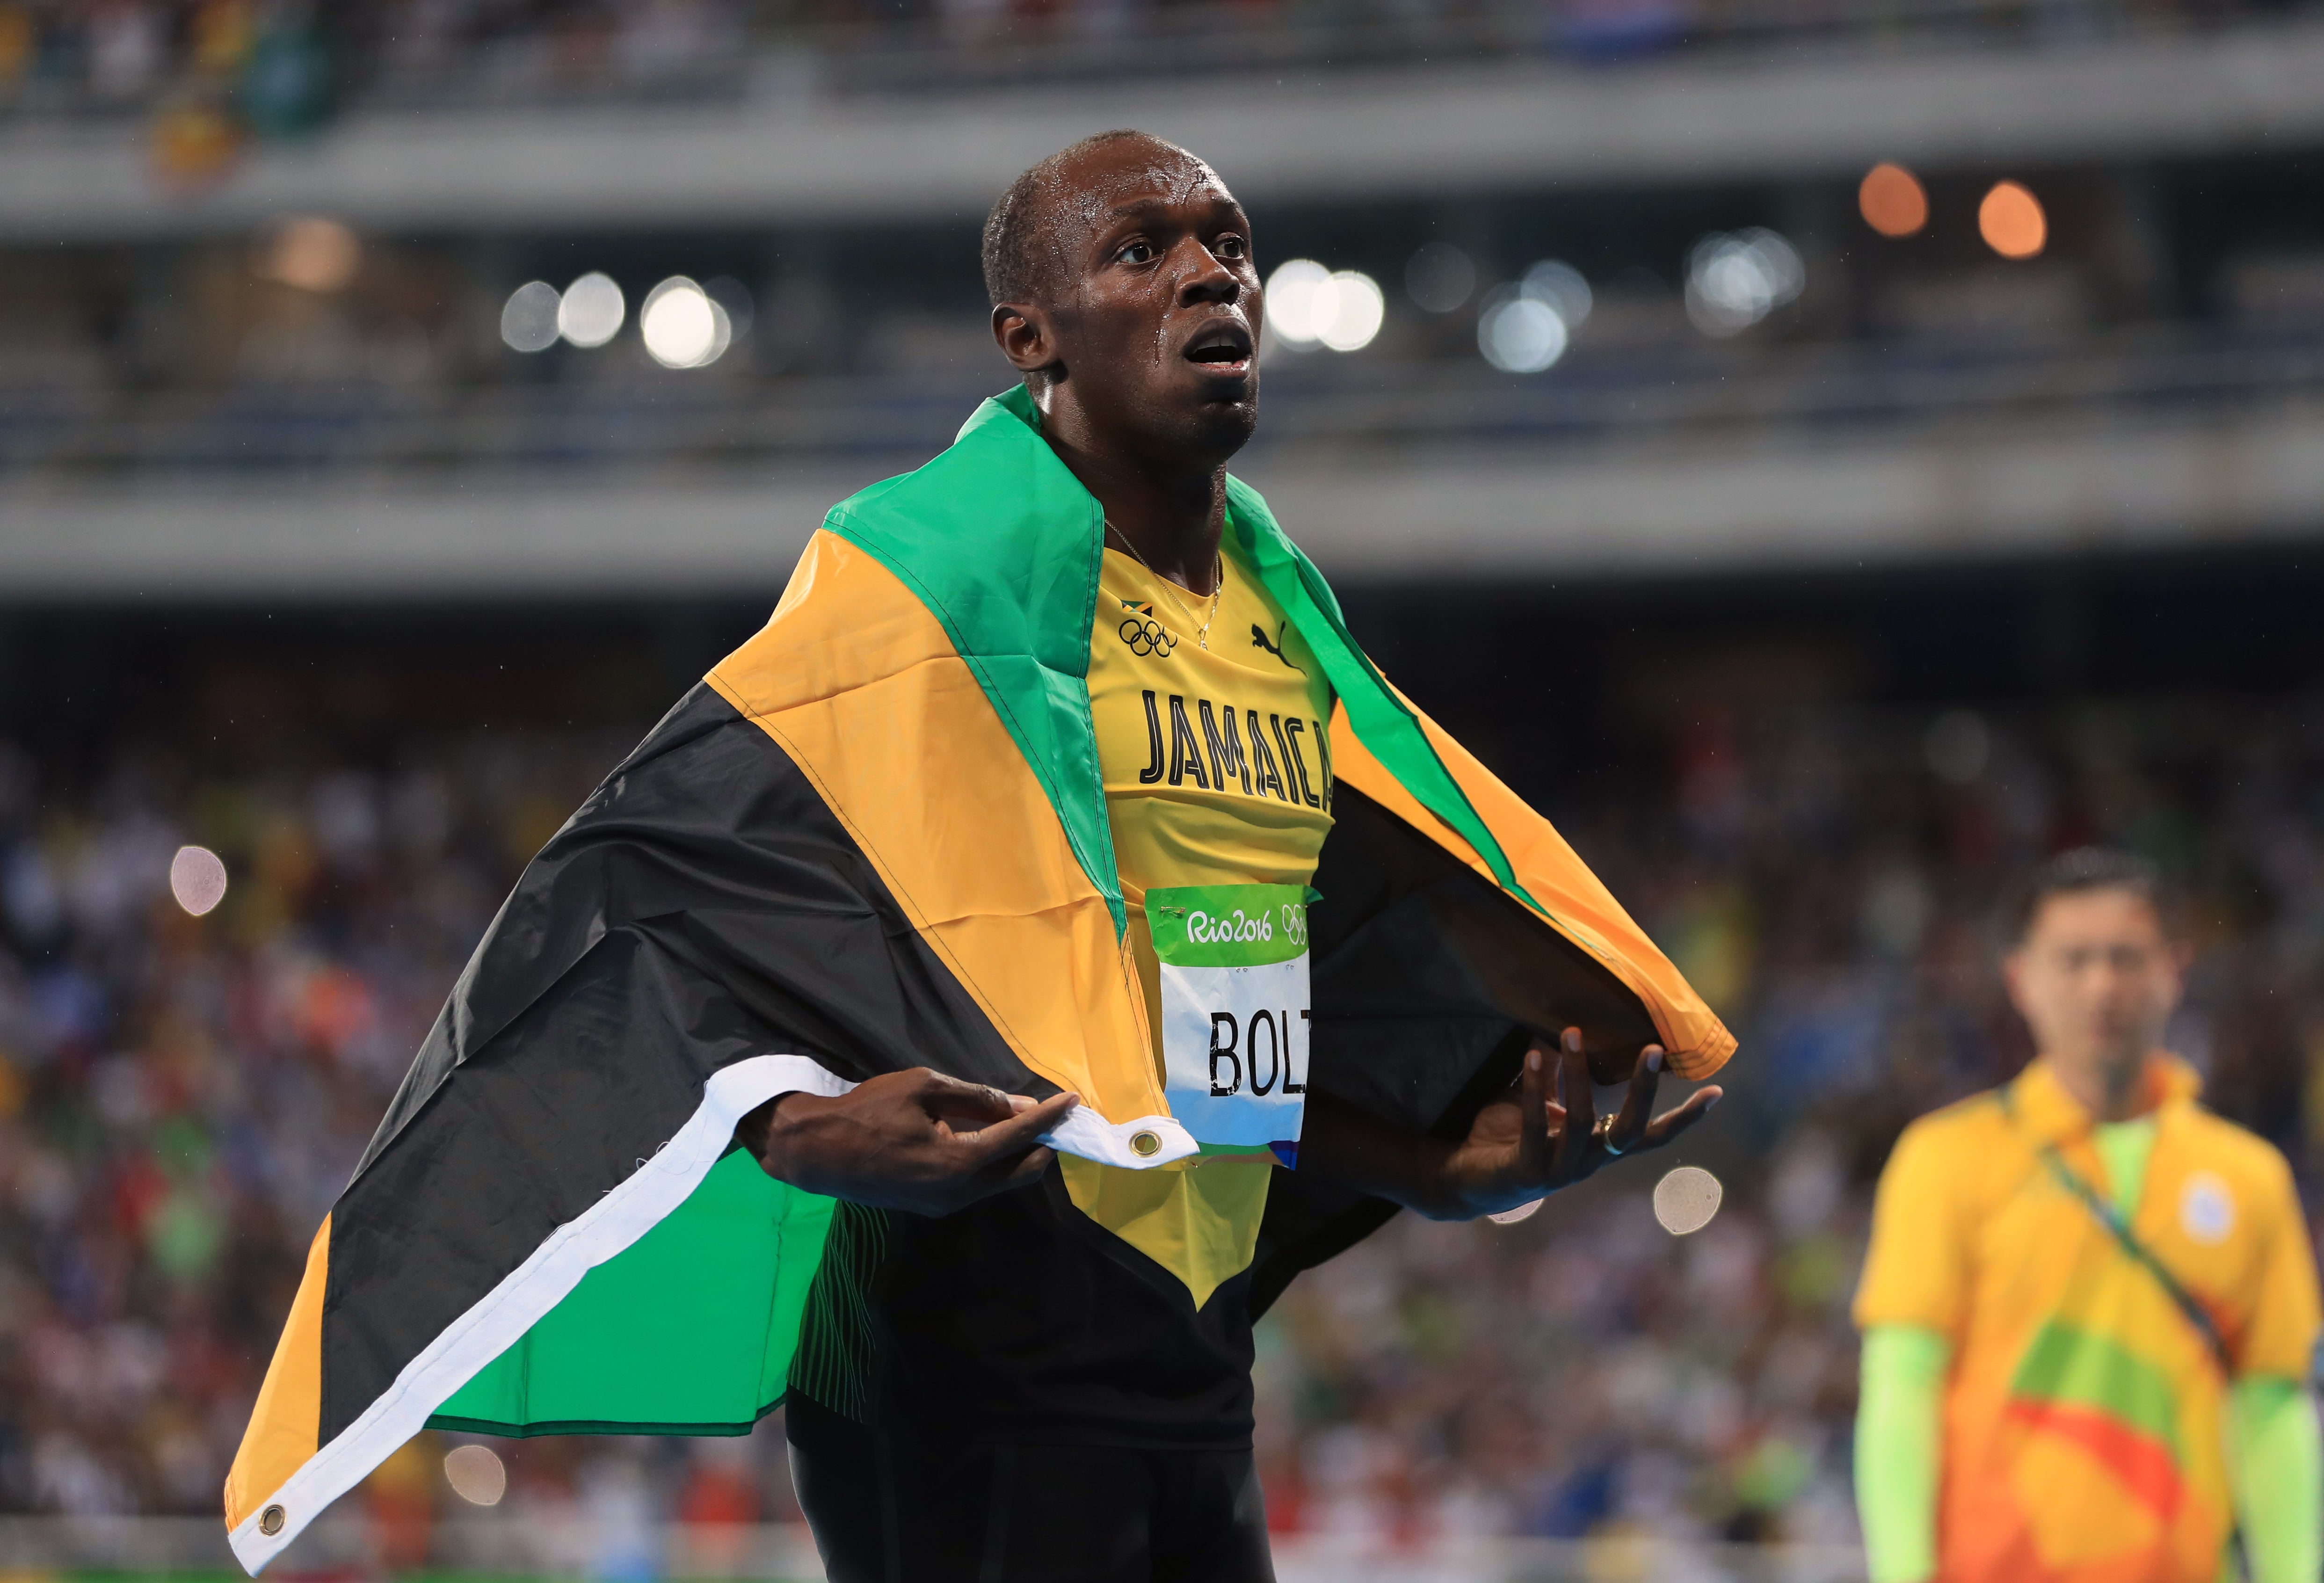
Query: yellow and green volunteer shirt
column 1218, row 771
column 2083, row 1423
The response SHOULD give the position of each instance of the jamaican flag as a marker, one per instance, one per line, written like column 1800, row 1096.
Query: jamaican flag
column 875, row 838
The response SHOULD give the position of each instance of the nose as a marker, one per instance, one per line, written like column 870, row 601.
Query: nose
column 1206, row 278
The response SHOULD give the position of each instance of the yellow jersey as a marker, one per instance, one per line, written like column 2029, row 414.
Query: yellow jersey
column 1213, row 743
column 2083, row 1425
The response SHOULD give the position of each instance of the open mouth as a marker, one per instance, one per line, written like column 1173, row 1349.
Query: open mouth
column 1224, row 349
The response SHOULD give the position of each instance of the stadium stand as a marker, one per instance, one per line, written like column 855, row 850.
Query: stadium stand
column 1811, row 584
column 181, row 1097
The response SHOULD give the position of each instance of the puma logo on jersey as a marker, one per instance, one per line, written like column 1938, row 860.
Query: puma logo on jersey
column 1258, row 640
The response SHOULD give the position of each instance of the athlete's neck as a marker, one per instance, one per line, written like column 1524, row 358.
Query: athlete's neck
column 2107, row 1086
column 1170, row 510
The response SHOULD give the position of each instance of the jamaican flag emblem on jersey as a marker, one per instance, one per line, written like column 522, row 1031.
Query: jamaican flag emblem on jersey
column 875, row 838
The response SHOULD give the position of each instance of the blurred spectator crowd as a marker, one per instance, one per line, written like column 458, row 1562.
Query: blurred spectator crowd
column 213, row 69
column 181, row 1097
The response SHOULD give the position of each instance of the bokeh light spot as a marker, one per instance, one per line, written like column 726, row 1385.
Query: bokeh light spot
column 1309, row 306
column 196, row 878
column 529, row 317
column 1687, row 1199
column 1733, row 280
column 592, row 311
column 1519, row 333
column 2011, row 221
column 476, row 1475
column 1358, row 308
column 683, row 326
column 1957, row 746
column 1292, row 310
column 1439, row 276
column 1560, row 285
column 1892, row 200
column 311, row 253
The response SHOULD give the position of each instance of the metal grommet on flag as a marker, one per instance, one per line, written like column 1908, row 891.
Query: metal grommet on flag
column 270, row 1521
column 1145, row 1145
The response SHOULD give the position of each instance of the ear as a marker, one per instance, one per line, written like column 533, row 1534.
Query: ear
column 1025, row 336
column 2012, row 977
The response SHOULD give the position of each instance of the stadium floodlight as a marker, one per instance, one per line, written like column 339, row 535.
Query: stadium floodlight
column 1309, row 306
column 2011, row 221
column 1519, row 333
column 683, row 326
column 1892, row 200
column 1358, row 309
column 592, row 311
column 1735, row 280
column 1560, row 285
column 529, row 317
column 1439, row 276
column 1299, row 301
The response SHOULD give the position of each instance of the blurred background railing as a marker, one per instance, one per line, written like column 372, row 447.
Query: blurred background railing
column 784, row 1552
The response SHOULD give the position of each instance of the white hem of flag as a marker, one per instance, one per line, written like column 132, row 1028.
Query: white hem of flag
column 1088, row 1135
column 626, row 1212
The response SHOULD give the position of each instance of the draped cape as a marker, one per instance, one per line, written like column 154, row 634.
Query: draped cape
column 874, row 838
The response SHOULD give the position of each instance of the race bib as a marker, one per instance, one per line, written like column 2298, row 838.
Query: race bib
column 1234, row 1011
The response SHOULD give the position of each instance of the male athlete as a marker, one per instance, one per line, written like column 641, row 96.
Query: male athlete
column 2090, row 1310
column 985, row 990
column 1026, row 1402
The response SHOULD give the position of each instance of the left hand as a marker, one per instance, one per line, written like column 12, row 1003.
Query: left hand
column 1543, row 1132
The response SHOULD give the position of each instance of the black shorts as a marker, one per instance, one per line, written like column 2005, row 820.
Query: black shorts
column 889, row 1508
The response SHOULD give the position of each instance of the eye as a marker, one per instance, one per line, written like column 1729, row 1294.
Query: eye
column 1136, row 253
column 1230, row 246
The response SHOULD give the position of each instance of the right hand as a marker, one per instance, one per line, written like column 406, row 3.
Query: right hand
column 891, row 1142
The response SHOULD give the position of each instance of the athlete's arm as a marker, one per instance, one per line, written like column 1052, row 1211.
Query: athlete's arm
column 2276, row 1461
column 1898, row 1444
column 1540, row 1136
column 895, row 1141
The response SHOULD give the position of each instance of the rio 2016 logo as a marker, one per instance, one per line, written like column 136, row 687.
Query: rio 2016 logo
column 1241, row 928
column 1238, row 928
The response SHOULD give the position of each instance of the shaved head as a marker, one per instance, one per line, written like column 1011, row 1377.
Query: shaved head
column 1031, row 234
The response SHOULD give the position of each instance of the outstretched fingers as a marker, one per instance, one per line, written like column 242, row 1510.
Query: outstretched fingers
column 1537, row 1144
column 1574, row 1139
column 1679, row 1117
column 1629, row 1126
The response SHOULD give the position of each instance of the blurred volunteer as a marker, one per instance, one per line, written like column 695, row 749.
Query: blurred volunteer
column 934, row 1026
column 2089, row 1309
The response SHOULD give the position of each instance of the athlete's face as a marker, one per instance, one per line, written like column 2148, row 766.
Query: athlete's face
column 2095, row 978
column 1152, row 332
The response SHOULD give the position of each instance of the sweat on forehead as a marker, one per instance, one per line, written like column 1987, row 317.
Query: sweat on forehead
column 1027, row 231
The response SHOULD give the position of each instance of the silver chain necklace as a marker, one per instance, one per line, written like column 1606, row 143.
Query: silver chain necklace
column 1218, row 584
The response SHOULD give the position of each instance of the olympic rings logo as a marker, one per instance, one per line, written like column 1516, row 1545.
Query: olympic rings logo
column 1147, row 637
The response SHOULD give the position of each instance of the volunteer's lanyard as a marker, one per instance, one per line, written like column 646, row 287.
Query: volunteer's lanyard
column 2118, row 1226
